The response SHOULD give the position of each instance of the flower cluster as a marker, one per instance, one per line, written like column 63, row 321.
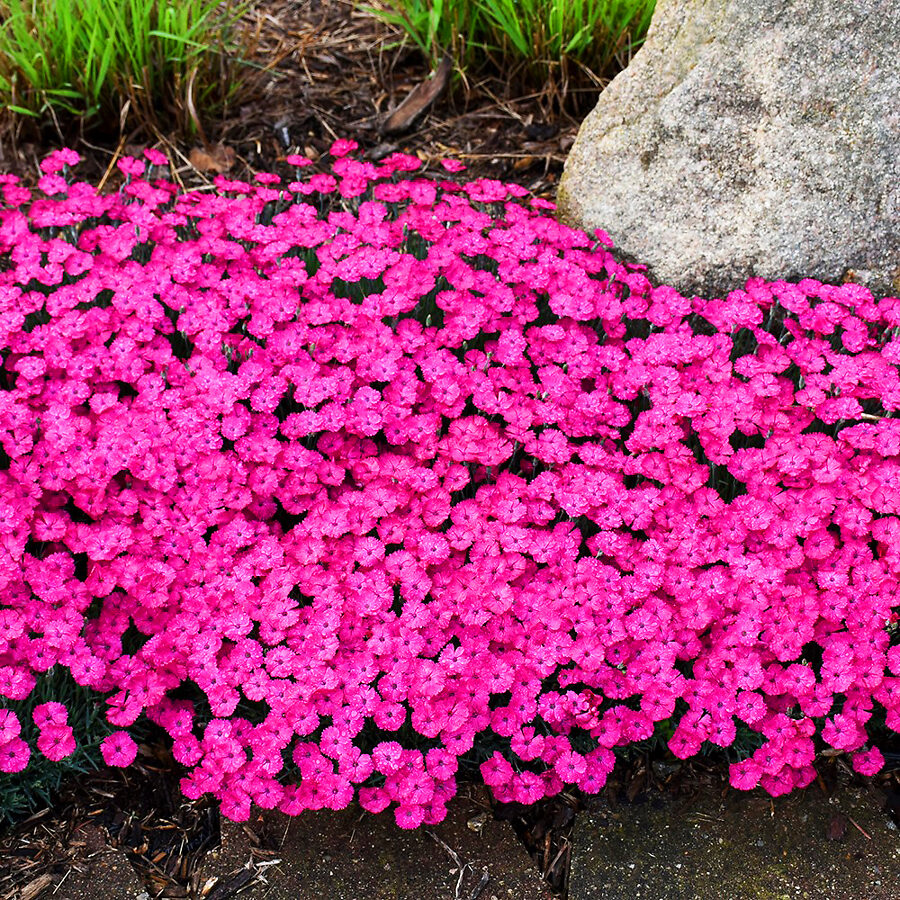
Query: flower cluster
column 332, row 479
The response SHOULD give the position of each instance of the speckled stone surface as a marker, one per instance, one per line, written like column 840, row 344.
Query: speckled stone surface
column 746, row 846
column 352, row 855
column 750, row 138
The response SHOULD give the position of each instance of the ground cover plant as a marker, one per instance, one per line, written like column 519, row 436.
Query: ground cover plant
column 165, row 63
column 345, row 480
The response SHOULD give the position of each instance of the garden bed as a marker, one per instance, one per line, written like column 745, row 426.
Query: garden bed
column 492, row 457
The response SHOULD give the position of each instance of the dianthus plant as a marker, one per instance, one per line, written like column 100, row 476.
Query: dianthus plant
column 333, row 478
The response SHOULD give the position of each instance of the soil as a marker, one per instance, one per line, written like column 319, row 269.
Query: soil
column 130, row 833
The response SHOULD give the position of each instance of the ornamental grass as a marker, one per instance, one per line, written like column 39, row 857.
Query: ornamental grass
column 541, row 44
column 94, row 62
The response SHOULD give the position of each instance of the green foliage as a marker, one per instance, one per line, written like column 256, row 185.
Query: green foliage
column 545, row 40
column 23, row 793
column 435, row 26
column 98, row 59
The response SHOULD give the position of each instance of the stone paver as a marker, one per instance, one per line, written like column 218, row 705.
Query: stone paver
column 745, row 847
column 352, row 855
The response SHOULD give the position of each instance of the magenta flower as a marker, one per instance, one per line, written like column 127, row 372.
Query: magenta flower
column 56, row 742
column 14, row 755
column 10, row 727
column 342, row 147
column 386, row 452
column 409, row 816
column 155, row 157
column 496, row 771
column 745, row 775
column 373, row 800
column 118, row 749
column 53, row 184
column 868, row 762
column 50, row 713
column 130, row 166
column 59, row 159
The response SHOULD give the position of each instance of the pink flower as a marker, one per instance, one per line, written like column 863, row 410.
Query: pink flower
column 235, row 805
column 496, row 771
column 408, row 816
column 386, row 756
column 337, row 461
column 440, row 764
column 14, row 755
column 268, row 793
column 342, row 147
column 359, row 767
column 868, row 762
column 782, row 782
column 155, row 157
column 186, row 749
column 338, row 793
column 570, row 766
column 843, row 732
column 528, row 787
column 390, row 716
column 745, row 775
column 130, row 166
column 684, row 742
column 53, row 184
column 56, row 742
column 16, row 682
column 118, row 749
column 373, row 800
column 51, row 713
column 59, row 159
column 10, row 726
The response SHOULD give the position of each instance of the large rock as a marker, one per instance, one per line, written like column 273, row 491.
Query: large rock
column 750, row 138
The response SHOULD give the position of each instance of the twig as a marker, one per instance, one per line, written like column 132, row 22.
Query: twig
column 68, row 873
column 459, row 881
column 868, row 837
column 452, row 852
column 112, row 163
column 556, row 859
column 482, row 884
column 462, row 867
